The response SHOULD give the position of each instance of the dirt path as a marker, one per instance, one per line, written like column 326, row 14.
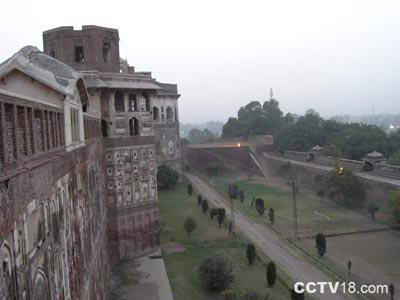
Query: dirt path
column 289, row 259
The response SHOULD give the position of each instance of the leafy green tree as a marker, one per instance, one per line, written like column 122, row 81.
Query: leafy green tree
column 346, row 188
column 372, row 209
column 251, row 253
column 221, row 216
column 189, row 225
column 295, row 295
column 394, row 159
column 241, row 196
column 320, row 241
column 394, row 204
column 167, row 177
column 321, row 193
column 200, row 136
column 213, row 213
column 332, row 150
column 260, row 206
column 204, row 206
column 190, row 189
column 271, row 215
column 271, row 273
column 216, row 273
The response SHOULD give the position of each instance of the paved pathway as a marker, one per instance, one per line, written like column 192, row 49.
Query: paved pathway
column 287, row 257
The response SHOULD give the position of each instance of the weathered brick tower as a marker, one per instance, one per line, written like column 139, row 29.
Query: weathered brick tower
column 127, row 127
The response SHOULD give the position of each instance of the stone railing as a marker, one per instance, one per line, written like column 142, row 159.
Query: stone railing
column 354, row 165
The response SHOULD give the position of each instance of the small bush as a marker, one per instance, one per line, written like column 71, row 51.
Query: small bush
column 251, row 253
column 271, row 273
column 190, row 189
column 320, row 244
column 189, row 225
column 221, row 216
column 215, row 273
column 204, row 206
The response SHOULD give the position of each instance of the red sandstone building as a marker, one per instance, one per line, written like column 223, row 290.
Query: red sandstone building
column 78, row 158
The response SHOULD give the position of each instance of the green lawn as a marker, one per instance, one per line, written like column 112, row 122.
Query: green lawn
column 313, row 214
column 206, row 240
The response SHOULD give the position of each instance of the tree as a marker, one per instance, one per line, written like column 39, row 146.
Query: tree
column 346, row 188
column 260, row 206
column 394, row 204
column 332, row 150
column 271, row 273
column 199, row 199
column 320, row 244
column 372, row 208
column 215, row 273
column 233, row 191
column 295, row 295
column 251, row 253
column 321, row 193
column 204, row 206
column 394, row 159
column 167, row 177
column 221, row 216
column 213, row 213
column 271, row 215
column 241, row 196
column 200, row 136
column 189, row 225
column 190, row 189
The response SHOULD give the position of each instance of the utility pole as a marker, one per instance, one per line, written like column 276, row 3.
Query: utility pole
column 293, row 184
column 232, row 218
column 231, row 196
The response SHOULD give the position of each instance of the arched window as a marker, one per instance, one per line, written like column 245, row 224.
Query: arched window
column 170, row 114
column 134, row 126
column 119, row 101
column 104, row 128
column 156, row 113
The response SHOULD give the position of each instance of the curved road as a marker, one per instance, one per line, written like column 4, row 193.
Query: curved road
column 288, row 258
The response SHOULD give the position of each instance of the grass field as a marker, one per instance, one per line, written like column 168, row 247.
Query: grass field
column 313, row 214
column 206, row 240
column 373, row 254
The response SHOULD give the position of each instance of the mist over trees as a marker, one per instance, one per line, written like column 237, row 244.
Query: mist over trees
column 301, row 133
column 200, row 136
column 214, row 126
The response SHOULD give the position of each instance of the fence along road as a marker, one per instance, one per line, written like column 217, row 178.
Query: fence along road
column 289, row 259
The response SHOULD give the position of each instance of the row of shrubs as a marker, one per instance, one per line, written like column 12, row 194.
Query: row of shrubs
column 216, row 273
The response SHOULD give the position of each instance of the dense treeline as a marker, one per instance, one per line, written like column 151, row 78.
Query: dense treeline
column 300, row 133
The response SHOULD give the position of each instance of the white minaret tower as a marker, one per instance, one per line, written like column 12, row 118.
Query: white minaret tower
column 271, row 93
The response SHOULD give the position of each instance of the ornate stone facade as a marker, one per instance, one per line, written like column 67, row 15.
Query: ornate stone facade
column 78, row 164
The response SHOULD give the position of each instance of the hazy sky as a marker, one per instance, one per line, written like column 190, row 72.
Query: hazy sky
column 338, row 57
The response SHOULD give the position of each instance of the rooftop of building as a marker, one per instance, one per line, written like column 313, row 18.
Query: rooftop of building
column 43, row 68
column 84, row 28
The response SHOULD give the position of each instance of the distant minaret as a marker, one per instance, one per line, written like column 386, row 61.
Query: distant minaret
column 271, row 93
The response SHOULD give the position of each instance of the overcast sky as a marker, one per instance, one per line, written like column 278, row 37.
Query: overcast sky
column 338, row 57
